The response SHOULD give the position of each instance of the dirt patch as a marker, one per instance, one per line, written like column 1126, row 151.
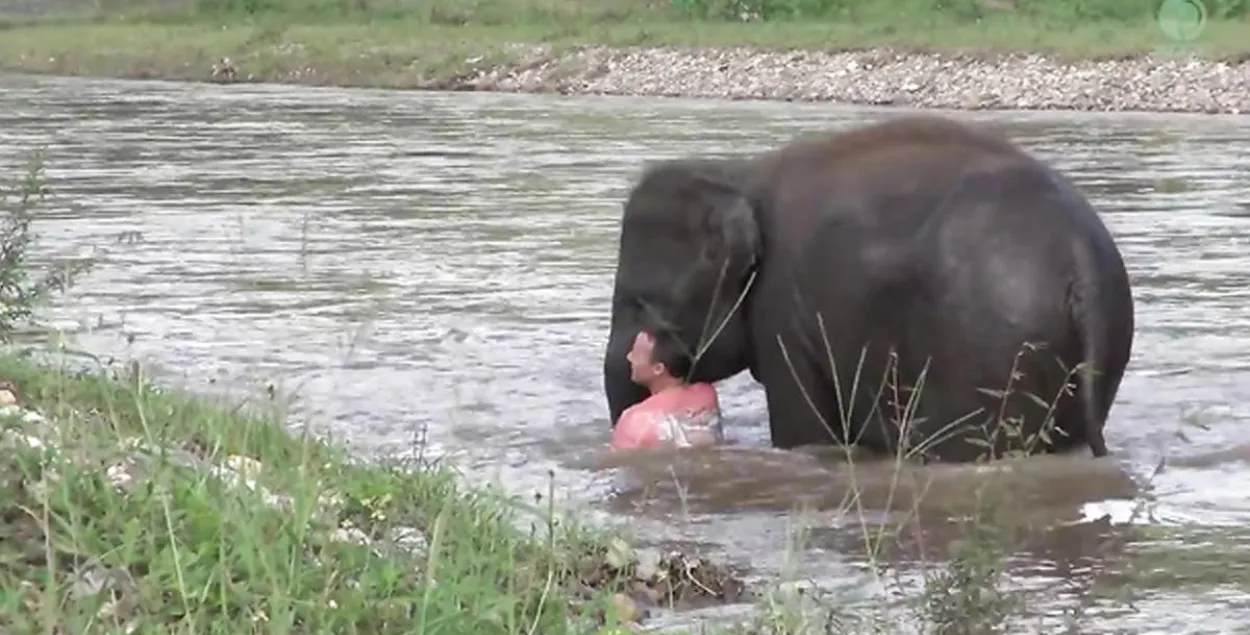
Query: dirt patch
column 647, row 580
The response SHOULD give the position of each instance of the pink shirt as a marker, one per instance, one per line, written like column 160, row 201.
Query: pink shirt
column 682, row 416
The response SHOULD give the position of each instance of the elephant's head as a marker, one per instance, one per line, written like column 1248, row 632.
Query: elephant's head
column 688, row 250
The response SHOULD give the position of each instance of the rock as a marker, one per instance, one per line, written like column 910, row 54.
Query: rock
column 648, row 564
column 244, row 465
column 352, row 535
column 90, row 581
column 620, row 555
column 121, row 474
column 409, row 538
column 224, row 71
column 625, row 609
column 646, row 593
column 9, row 395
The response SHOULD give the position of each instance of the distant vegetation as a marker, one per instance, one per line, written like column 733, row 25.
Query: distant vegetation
column 552, row 12
column 424, row 43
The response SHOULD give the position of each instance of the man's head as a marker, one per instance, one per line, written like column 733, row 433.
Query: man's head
column 653, row 358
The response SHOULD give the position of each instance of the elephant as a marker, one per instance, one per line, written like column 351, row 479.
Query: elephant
column 916, row 284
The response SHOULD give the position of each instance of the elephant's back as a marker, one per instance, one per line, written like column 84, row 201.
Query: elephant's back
column 885, row 179
column 928, row 209
column 898, row 137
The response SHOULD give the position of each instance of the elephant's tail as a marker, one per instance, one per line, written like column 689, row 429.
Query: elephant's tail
column 1090, row 321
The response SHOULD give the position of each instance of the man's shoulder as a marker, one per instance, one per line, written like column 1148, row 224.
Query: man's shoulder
column 634, row 412
column 700, row 396
column 703, row 385
column 702, row 389
column 702, row 393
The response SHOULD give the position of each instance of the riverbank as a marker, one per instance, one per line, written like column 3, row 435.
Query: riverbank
column 995, row 63
column 132, row 506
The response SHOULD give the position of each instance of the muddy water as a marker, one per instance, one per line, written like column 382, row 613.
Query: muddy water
column 439, row 265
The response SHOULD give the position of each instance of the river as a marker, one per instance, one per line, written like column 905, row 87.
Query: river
column 439, row 265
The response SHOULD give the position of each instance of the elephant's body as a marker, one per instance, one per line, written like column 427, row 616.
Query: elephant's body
column 913, row 254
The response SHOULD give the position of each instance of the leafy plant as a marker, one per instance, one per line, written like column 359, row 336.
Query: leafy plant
column 19, row 293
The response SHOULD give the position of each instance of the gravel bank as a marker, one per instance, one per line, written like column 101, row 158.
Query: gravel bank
column 1013, row 81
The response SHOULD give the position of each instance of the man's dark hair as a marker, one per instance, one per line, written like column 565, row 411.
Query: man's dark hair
column 668, row 350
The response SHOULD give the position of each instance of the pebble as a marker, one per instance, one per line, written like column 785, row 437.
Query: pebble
column 648, row 563
column 8, row 394
column 1160, row 82
column 619, row 554
column 625, row 609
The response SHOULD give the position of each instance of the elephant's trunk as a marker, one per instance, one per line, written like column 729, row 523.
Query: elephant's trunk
column 621, row 390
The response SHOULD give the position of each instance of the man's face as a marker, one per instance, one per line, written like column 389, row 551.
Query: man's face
column 641, row 369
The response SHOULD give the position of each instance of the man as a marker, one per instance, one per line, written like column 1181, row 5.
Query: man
column 676, row 413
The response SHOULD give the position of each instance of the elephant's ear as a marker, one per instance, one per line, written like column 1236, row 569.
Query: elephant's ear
column 731, row 220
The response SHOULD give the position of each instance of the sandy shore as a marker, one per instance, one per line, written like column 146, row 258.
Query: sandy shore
column 1160, row 83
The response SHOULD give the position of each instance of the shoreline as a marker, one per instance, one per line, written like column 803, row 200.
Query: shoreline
column 888, row 77
column 339, row 542
column 463, row 59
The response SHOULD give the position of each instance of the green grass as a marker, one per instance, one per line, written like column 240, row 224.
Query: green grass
column 116, row 520
column 505, row 12
column 431, row 44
